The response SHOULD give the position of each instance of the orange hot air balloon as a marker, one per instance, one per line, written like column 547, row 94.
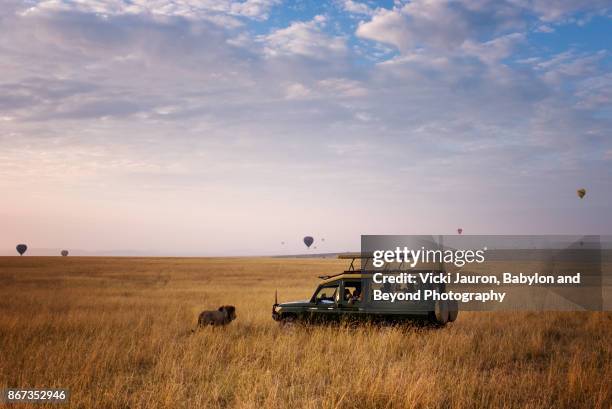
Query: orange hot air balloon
column 581, row 193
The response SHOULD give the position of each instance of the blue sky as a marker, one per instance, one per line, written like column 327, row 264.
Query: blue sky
column 226, row 127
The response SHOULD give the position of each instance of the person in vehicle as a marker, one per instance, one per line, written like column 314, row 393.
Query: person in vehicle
column 347, row 294
column 356, row 297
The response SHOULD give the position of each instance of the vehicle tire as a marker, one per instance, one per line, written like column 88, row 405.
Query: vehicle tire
column 453, row 310
column 441, row 312
column 288, row 321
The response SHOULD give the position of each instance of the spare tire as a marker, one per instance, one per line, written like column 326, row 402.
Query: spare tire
column 453, row 310
column 440, row 314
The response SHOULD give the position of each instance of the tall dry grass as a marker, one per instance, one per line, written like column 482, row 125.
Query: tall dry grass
column 117, row 332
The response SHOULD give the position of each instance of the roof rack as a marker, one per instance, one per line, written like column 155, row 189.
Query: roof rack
column 349, row 256
column 356, row 256
column 325, row 277
column 367, row 257
column 363, row 269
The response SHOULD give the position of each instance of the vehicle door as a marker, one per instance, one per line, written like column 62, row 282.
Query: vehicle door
column 352, row 299
column 325, row 302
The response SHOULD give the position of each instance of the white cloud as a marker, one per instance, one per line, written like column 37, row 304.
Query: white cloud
column 386, row 26
column 212, row 10
column 356, row 7
column 421, row 23
column 305, row 39
column 297, row 91
column 447, row 24
column 560, row 67
column 256, row 9
column 342, row 87
column 595, row 92
column 555, row 10
column 328, row 88
column 491, row 52
column 545, row 29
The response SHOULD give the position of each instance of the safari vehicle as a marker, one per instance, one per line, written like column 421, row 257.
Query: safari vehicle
column 335, row 300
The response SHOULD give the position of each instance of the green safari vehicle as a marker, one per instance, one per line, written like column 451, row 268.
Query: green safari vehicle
column 348, row 297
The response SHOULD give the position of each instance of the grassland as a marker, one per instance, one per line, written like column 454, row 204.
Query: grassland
column 118, row 333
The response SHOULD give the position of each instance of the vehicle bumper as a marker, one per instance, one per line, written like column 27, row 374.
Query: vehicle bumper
column 275, row 314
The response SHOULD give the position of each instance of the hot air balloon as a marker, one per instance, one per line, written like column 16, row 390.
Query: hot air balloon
column 581, row 193
column 459, row 230
column 64, row 253
column 21, row 248
column 308, row 241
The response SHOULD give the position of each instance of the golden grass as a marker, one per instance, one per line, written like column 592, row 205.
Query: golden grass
column 117, row 332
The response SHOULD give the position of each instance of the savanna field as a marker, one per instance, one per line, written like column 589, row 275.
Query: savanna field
column 118, row 333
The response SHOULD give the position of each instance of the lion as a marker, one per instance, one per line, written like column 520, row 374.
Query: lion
column 223, row 316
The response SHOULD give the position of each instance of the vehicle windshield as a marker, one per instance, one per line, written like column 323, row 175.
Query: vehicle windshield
column 327, row 294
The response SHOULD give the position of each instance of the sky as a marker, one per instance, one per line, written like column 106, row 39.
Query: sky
column 221, row 127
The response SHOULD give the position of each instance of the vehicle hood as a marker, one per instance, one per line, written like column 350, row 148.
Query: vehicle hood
column 301, row 303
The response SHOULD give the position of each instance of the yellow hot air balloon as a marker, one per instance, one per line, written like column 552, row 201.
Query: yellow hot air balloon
column 581, row 193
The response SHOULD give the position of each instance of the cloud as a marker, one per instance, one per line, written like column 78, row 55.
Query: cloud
column 342, row 87
column 555, row 10
column 387, row 26
column 545, row 29
column 595, row 93
column 213, row 10
column 356, row 7
column 328, row 88
column 297, row 91
column 560, row 67
column 306, row 39
column 446, row 24
column 493, row 51
column 256, row 9
column 131, row 115
column 443, row 25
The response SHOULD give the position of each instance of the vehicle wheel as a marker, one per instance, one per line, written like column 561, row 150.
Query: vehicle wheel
column 453, row 310
column 441, row 312
column 288, row 321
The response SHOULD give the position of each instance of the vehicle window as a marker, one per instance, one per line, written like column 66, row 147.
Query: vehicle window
column 327, row 295
column 352, row 292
